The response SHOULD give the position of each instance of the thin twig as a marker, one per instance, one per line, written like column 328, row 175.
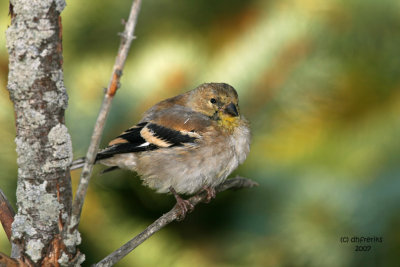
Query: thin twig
column 6, row 214
column 172, row 215
column 126, row 40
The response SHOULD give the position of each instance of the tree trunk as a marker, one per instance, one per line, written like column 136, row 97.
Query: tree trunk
column 44, row 149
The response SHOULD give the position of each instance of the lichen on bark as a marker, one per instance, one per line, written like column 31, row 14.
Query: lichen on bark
column 43, row 144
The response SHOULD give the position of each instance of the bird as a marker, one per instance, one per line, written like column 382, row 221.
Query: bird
column 184, row 144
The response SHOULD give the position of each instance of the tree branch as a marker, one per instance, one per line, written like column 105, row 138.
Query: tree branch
column 43, row 144
column 172, row 215
column 6, row 214
column 9, row 262
column 126, row 40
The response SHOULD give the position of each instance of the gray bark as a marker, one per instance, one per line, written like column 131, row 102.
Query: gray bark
column 43, row 144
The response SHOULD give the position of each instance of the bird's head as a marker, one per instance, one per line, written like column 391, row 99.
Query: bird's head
column 219, row 101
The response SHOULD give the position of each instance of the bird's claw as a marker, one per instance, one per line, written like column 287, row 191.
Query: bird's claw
column 211, row 194
column 184, row 205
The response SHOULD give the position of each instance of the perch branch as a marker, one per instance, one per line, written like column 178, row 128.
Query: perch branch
column 6, row 214
column 127, row 37
column 172, row 215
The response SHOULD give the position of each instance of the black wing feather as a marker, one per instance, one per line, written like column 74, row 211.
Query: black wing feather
column 135, row 140
column 121, row 149
column 175, row 138
column 133, row 136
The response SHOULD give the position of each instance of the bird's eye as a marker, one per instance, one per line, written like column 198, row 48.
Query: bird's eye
column 213, row 100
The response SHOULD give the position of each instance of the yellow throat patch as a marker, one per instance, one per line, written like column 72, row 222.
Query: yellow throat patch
column 228, row 122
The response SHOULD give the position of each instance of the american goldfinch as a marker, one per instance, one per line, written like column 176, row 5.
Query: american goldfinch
column 184, row 144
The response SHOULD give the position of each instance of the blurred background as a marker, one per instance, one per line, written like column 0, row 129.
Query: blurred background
column 318, row 80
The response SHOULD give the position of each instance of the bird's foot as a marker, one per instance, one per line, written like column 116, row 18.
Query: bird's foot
column 211, row 194
column 184, row 205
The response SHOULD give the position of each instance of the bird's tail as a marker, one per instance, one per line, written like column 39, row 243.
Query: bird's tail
column 77, row 164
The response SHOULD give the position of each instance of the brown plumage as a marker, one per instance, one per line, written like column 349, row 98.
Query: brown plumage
column 184, row 144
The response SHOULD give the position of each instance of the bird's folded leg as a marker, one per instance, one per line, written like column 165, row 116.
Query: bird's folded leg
column 184, row 205
column 211, row 194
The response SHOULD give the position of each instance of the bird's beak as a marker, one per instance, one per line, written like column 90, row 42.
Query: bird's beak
column 231, row 110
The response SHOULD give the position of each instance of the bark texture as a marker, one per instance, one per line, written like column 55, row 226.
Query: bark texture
column 43, row 144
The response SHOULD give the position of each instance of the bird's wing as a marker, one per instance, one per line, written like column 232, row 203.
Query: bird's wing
column 176, row 126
